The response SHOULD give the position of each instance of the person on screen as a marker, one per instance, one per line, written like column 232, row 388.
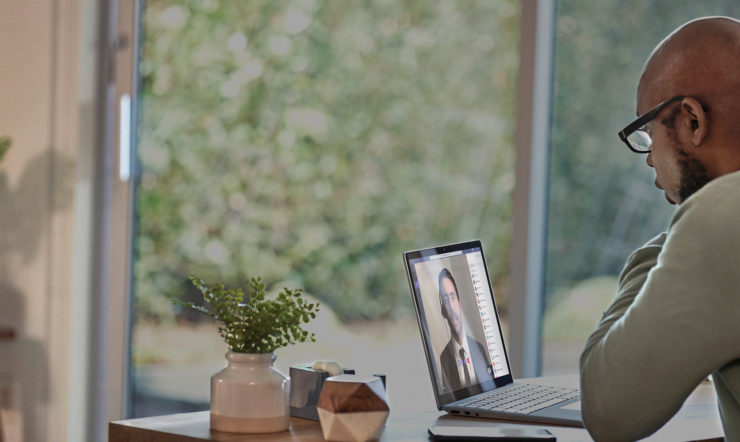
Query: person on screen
column 676, row 316
column 463, row 360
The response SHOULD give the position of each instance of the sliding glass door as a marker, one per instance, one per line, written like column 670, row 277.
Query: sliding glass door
column 311, row 143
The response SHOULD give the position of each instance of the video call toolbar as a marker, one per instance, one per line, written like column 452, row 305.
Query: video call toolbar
column 488, row 319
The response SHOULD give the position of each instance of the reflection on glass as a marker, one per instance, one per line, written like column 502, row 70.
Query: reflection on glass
column 602, row 202
column 311, row 143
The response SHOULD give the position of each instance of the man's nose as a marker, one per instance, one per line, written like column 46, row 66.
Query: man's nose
column 649, row 159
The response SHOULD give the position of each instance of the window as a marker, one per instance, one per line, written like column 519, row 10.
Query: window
column 602, row 202
column 311, row 143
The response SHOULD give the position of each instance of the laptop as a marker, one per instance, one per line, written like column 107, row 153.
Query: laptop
column 464, row 343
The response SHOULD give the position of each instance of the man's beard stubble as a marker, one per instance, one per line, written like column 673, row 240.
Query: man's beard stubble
column 694, row 175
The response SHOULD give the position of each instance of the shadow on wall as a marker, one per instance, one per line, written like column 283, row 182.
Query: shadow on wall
column 25, row 216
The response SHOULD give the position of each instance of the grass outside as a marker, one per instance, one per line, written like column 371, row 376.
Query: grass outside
column 570, row 317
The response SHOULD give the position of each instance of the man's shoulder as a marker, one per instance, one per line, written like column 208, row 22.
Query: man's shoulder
column 722, row 189
column 716, row 204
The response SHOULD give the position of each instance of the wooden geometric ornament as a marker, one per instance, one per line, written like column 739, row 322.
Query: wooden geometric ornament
column 352, row 408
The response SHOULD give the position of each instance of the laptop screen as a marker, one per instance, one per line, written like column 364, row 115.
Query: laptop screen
column 458, row 320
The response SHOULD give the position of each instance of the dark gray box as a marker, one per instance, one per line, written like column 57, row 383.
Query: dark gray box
column 305, row 388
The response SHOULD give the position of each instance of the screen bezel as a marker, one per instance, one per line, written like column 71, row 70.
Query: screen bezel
column 446, row 398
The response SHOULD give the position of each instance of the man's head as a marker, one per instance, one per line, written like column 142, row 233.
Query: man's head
column 450, row 302
column 695, row 138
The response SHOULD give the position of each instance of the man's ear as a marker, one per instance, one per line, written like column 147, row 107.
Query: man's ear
column 698, row 121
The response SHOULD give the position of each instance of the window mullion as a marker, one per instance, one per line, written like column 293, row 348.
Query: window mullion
column 530, row 192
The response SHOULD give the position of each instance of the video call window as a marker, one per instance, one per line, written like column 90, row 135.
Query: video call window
column 461, row 321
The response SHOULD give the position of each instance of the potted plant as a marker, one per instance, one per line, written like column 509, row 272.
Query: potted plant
column 249, row 395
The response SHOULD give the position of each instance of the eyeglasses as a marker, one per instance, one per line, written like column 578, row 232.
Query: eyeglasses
column 636, row 136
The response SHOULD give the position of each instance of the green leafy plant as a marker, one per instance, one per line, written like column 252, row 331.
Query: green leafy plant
column 5, row 143
column 250, row 323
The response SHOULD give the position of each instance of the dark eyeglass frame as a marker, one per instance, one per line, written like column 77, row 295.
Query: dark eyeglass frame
column 644, row 119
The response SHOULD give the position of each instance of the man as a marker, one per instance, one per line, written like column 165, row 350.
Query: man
column 676, row 317
column 463, row 359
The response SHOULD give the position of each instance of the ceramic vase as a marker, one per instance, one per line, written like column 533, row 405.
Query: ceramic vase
column 249, row 395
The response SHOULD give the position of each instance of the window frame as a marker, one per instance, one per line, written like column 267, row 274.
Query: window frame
column 112, row 248
column 529, row 230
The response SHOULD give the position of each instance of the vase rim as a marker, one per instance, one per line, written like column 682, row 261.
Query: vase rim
column 246, row 357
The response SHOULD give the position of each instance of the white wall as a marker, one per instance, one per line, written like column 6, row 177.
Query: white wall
column 47, row 93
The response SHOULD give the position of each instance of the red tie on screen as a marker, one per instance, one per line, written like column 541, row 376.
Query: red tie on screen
column 465, row 366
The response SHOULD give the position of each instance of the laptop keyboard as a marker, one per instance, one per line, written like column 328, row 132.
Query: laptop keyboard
column 521, row 398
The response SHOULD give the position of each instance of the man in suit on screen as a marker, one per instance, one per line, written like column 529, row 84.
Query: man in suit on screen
column 463, row 360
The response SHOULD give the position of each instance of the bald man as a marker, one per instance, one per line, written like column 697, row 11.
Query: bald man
column 676, row 317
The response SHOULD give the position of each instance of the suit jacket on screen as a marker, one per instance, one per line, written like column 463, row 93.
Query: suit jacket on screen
column 450, row 378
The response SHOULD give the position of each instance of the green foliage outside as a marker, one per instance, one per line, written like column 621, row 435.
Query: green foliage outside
column 5, row 143
column 250, row 323
column 312, row 142
column 602, row 201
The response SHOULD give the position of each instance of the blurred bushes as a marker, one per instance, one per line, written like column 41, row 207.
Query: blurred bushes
column 603, row 203
column 312, row 142
column 5, row 143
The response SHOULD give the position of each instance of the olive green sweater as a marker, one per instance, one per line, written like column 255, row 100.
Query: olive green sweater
column 675, row 320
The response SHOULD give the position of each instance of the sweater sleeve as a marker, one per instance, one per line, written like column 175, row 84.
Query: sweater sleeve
column 668, row 327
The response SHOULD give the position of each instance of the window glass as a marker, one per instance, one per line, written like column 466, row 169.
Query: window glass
column 602, row 199
column 311, row 143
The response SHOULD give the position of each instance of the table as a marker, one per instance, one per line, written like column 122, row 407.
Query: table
column 698, row 419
